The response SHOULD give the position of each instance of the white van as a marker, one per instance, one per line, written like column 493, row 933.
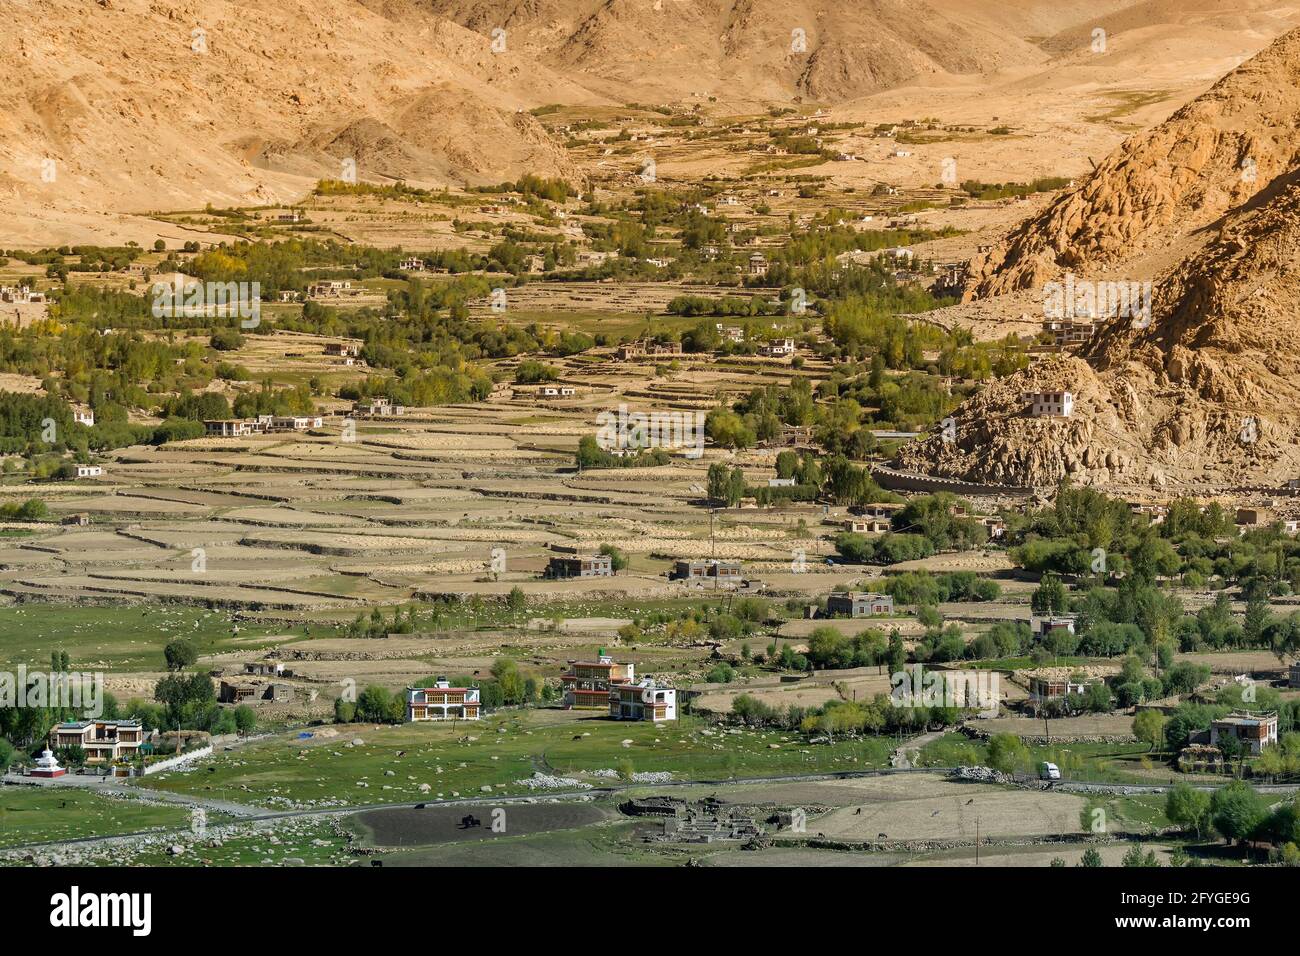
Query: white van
column 1048, row 771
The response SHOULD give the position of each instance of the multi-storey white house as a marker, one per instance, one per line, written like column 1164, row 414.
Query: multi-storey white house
column 102, row 740
column 442, row 702
column 642, row 701
column 1050, row 404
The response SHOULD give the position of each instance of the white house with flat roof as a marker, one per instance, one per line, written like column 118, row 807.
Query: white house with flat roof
column 1050, row 404
column 642, row 701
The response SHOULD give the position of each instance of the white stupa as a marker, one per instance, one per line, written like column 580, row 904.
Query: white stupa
column 47, row 765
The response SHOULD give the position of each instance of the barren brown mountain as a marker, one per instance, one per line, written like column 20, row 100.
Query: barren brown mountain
column 1160, row 188
column 120, row 107
column 749, row 50
column 132, row 105
column 1206, row 391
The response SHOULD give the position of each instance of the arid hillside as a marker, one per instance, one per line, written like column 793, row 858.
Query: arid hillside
column 747, row 50
column 1161, row 188
column 1204, row 389
column 137, row 105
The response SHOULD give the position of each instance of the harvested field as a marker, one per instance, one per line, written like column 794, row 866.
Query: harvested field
column 903, row 808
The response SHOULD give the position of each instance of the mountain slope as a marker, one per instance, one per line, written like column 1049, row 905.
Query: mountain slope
column 1207, row 393
column 139, row 110
column 1161, row 186
column 742, row 50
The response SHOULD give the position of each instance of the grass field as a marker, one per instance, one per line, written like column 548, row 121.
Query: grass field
column 459, row 762
column 121, row 638
column 1094, row 762
column 42, row 814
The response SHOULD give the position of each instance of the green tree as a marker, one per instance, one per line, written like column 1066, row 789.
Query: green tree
column 1007, row 753
column 1149, row 727
column 180, row 654
column 1049, row 597
column 245, row 719
column 617, row 559
column 1188, row 807
column 506, row 673
column 1236, row 810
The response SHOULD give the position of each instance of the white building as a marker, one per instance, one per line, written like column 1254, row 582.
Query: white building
column 89, row 471
column 777, row 348
column 442, row 702
column 1050, row 404
column 1253, row 731
column 378, row 408
column 229, row 427
column 86, row 417
column 642, row 701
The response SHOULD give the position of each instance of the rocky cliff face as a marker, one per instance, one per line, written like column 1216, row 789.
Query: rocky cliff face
column 1206, row 390
column 1209, row 157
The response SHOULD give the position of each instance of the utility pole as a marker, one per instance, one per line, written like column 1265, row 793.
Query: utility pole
column 977, row 841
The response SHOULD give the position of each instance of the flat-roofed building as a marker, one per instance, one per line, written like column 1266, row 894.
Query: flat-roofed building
column 1254, row 731
column 643, row 701
column 1045, row 688
column 587, row 684
column 720, row 572
column 442, row 702
column 103, row 740
column 229, row 427
column 859, row 604
column 580, row 566
column 378, row 407
column 777, row 348
column 231, row 693
column 1042, row 626
column 863, row 525
column 1050, row 404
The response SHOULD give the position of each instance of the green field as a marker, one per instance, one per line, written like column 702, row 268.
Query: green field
column 458, row 762
column 1092, row 762
column 122, row 638
column 43, row 814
